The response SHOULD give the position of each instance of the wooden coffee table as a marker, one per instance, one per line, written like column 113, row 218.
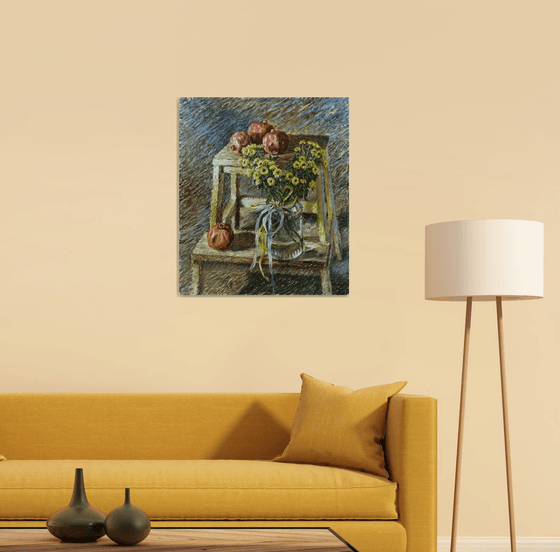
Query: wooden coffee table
column 188, row 539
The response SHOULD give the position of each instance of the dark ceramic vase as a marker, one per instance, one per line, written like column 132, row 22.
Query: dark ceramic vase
column 127, row 524
column 78, row 522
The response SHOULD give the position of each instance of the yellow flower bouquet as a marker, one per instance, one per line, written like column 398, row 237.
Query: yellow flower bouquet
column 290, row 184
column 278, row 230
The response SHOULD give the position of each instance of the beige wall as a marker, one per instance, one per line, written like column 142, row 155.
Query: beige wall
column 455, row 114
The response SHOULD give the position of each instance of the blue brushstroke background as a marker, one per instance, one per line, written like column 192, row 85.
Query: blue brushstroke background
column 206, row 125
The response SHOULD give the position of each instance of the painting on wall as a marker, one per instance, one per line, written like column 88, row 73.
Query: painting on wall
column 263, row 196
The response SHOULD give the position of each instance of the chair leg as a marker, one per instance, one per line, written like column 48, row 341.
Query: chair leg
column 196, row 278
column 217, row 193
column 321, row 213
column 333, row 230
column 326, row 281
column 235, row 201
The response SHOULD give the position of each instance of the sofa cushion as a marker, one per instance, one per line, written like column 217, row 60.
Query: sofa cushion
column 198, row 489
column 337, row 426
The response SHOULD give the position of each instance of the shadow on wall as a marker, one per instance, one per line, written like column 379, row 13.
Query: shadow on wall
column 205, row 127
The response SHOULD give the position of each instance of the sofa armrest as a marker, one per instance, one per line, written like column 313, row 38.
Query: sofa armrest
column 411, row 457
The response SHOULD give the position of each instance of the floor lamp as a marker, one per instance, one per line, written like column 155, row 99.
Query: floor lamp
column 484, row 260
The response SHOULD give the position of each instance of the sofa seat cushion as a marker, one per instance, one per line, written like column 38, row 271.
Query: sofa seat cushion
column 198, row 489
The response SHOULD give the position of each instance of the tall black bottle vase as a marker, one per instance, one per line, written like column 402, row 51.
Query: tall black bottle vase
column 78, row 522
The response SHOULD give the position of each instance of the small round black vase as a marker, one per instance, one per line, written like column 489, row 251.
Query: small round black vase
column 78, row 522
column 127, row 524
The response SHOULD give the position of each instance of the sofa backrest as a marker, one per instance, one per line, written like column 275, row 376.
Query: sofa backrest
column 145, row 425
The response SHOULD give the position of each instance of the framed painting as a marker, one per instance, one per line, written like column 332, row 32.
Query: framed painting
column 264, row 196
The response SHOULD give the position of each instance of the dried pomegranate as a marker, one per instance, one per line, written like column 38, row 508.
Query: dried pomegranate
column 258, row 130
column 239, row 140
column 276, row 142
column 220, row 236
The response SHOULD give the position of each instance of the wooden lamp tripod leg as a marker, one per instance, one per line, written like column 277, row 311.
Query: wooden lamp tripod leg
column 506, row 423
column 461, row 420
column 462, row 417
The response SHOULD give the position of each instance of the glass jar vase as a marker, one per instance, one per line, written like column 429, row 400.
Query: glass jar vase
column 286, row 242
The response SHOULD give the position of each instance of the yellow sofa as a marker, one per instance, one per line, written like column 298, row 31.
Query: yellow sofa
column 203, row 459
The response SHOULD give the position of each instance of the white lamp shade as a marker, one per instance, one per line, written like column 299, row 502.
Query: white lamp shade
column 484, row 259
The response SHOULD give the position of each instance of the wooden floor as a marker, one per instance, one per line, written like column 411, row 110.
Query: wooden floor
column 192, row 540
